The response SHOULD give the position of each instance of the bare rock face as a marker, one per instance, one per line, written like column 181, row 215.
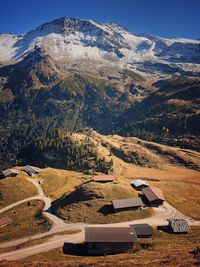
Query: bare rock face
column 35, row 71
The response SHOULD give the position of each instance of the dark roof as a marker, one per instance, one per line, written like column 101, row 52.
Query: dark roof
column 103, row 178
column 109, row 234
column 9, row 172
column 142, row 229
column 127, row 203
column 179, row 225
column 153, row 193
column 30, row 170
column 5, row 220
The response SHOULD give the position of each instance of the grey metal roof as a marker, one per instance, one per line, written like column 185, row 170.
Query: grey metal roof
column 127, row 203
column 142, row 229
column 109, row 234
column 138, row 182
column 30, row 170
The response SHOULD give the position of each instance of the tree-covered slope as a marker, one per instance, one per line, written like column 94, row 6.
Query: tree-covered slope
column 169, row 115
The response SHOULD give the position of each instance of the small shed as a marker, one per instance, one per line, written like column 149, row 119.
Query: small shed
column 154, row 195
column 103, row 178
column 30, row 170
column 178, row 226
column 138, row 184
column 5, row 220
column 109, row 240
column 9, row 173
column 142, row 230
column 126, row 204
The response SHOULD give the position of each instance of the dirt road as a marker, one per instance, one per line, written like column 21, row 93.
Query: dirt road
column 54, row 242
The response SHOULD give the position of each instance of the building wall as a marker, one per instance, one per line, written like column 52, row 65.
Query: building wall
column 129, row 208
column 101, row 248
column 139, row 188
column 156, row 202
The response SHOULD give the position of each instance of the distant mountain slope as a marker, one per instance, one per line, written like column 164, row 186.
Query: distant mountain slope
column 74, row 102
column 70, row 41
column 128, row 107
column 72, row 74
column 170, row 114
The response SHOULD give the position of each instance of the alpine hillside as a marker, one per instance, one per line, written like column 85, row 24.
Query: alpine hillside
column 69, row 74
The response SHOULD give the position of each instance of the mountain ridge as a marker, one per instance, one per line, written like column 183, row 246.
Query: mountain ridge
column 71, row 39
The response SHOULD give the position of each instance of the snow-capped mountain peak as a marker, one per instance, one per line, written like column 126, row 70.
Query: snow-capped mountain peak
column 71, row 40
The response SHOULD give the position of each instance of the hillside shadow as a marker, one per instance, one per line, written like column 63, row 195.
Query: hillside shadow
column 106, row 209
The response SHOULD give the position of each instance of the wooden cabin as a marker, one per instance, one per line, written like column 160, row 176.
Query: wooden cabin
column 127, row 204
column 153, row 195
column 109, row 240
column 142, row 230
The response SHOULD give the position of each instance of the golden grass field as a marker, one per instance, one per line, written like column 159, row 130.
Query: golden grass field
column 57, row 181
column 15, row 188
column 27, row 220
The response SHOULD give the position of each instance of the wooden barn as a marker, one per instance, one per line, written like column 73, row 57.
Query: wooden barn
column 9, row 173
column 109, row 240
column 103, row 178
column 127, row 204
column 5, row 220
column 178, row 226
column 153, row 195
column 142, row 230
column 30, row 170
column 138, row 184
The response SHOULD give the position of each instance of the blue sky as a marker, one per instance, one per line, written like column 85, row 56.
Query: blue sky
column 167, row 18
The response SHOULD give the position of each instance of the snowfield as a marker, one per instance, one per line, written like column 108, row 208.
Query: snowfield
column 67, row 39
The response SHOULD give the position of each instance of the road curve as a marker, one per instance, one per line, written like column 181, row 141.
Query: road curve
column 58, row 225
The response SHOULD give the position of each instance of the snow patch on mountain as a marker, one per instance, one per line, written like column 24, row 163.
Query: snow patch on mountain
column 68, row 40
